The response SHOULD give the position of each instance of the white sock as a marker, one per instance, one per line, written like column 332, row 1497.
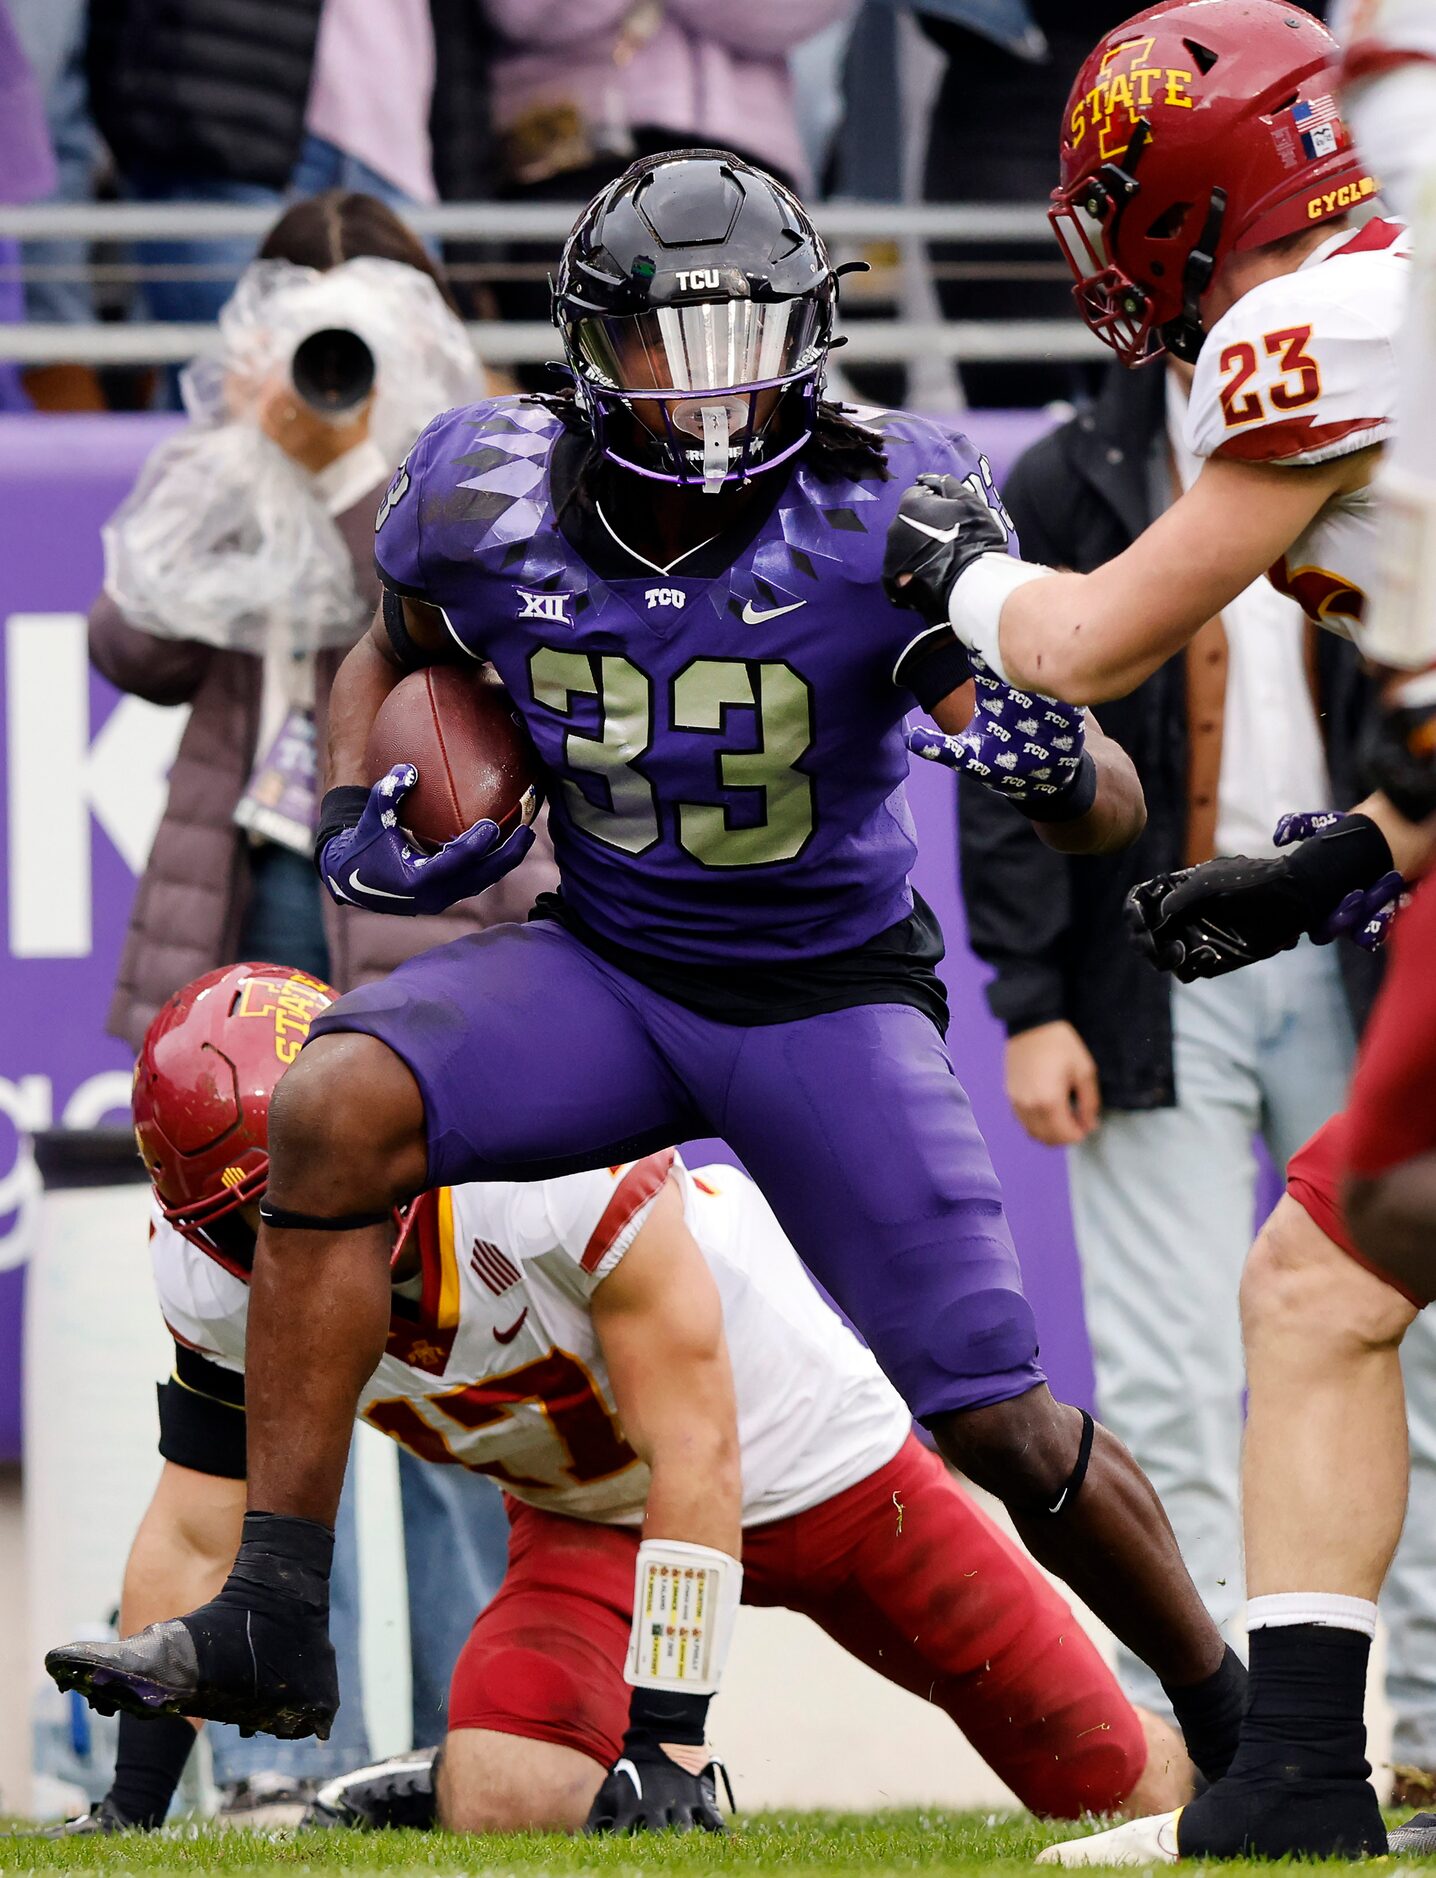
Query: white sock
column 1311, row 1607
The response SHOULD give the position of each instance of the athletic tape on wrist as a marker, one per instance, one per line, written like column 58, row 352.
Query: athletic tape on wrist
column 975, row 604
column 685, row 1604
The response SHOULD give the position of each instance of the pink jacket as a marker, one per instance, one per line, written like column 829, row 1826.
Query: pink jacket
column 714, row 72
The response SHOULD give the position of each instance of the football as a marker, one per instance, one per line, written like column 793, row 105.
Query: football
column 474, row 758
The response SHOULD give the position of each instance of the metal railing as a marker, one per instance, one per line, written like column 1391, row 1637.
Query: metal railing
column 847, row 225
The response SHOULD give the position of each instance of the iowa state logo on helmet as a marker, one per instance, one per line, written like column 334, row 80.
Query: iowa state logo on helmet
column 1129, row 85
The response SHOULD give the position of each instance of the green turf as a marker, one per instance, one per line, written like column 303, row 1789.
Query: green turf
column 966, row 1845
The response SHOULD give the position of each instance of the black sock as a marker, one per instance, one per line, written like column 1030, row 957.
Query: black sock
column 1298, row 1785
column 1308, row 1696
column 254, row 1635
column 151, row 1757
column 1209, row 1714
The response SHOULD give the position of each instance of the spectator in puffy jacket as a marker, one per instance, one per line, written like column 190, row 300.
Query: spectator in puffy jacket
column 213, row 893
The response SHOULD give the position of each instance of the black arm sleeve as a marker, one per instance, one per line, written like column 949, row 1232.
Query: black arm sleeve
column 933, row 666
column 202, row 1416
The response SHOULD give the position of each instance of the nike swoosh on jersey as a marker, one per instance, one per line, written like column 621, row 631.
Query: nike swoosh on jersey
column 507, row 1336
column 937, row 534
column 362, row 886
column 752, row 616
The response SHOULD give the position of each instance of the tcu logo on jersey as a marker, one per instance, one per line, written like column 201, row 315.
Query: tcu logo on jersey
column 695, row 279
column 666, row 596
column 552, row 607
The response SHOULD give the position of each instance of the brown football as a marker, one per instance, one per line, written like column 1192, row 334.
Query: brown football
column 473, row 755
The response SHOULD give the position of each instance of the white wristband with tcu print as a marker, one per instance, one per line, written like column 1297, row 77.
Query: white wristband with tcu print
column 685, row 1603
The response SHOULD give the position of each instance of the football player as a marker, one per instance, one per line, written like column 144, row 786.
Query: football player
column 675, row 568
column 568, row 1338
column 1208, row 184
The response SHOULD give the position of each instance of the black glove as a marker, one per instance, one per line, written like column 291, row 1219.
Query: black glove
column 1399, row 751
column 647, row 1790
column 941, row 527
column 1203, row 922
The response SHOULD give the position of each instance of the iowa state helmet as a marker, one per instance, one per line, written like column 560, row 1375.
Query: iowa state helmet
column 206, row 1073
column 696, row 300
column 1197, row 129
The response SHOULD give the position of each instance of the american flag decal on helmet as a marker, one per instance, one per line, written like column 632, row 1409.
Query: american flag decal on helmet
column 1318, row 124
column 497, row 1271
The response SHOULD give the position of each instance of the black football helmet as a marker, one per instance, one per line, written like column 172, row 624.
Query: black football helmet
column 696, row 301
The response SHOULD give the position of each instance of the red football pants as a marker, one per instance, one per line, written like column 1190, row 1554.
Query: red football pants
column 902, row 1569
column 1390, row 1115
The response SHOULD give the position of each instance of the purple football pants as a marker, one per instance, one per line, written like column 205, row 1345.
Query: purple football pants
column 535, row 1057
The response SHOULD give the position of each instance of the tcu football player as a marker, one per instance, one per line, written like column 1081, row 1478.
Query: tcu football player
column 1208, row 186
column 568, row 1337
column 675, row 567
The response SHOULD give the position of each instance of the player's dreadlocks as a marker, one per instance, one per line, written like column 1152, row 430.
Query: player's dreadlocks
column 840, row 449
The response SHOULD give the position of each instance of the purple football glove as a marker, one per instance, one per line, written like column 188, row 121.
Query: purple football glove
column 374, row 864
column 1021, row 746
column 1365, row 915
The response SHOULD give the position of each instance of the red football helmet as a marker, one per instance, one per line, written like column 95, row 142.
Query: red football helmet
column 1197, row 129
column 206, row 1072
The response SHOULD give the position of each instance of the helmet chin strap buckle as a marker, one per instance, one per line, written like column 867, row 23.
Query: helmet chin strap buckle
column 715, row 447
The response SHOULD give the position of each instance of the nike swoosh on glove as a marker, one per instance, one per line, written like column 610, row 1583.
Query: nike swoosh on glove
column 649, row 1792
column 375, row 865
column 941, row 527
column 1027, row 748
column 1365, row 915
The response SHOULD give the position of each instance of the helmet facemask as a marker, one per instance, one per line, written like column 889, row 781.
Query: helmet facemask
column 704, row 394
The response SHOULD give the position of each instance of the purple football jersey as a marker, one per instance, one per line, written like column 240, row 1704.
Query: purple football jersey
column 725, row 755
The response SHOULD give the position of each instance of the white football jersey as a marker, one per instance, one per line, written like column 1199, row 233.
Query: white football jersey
column 1303, row 369
column 494, row 1364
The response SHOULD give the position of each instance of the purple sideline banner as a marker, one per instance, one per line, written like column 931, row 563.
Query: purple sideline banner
column 84, row 782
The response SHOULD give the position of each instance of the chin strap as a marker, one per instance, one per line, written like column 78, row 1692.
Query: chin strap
column 1184, row 335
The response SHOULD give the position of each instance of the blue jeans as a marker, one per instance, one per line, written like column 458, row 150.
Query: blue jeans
column 456, row 1550
column 320, row 165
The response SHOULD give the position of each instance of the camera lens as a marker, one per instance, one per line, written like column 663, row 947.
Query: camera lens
column 333, row 370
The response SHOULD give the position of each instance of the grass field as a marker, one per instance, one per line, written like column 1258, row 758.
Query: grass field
column 966, row 1845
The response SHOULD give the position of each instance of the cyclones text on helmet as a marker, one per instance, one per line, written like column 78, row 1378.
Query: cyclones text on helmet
column 1198, row 129
column 206, row 1073
column 696, row 301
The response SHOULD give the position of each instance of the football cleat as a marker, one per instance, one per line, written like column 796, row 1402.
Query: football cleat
column 158, row 1672
column 103, row 1817
column 1416, row 1838
column 264, row 1801
column 1150, row 1841
column 402, row 1791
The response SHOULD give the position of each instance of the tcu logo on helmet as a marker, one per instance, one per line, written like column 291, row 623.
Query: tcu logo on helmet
column 549, row 606
column 693, row 279
column 667, row 596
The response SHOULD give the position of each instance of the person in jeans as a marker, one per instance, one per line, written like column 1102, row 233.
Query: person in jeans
column 1160, row 1091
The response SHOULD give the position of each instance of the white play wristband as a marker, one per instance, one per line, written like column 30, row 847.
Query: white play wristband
column 685, row 1603
column 975, row 604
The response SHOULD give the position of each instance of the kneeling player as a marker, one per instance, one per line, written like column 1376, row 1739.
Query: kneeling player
column 568, row 1337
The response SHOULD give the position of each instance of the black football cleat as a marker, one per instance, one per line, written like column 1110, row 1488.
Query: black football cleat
column 103, row 1817
column 221, row 1663
column 402, row 1791
column 1414, row 1838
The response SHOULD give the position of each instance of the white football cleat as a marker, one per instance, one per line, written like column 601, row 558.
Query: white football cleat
column 1135, row 1842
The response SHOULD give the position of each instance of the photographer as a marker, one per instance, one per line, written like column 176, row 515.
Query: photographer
column 238, row 574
